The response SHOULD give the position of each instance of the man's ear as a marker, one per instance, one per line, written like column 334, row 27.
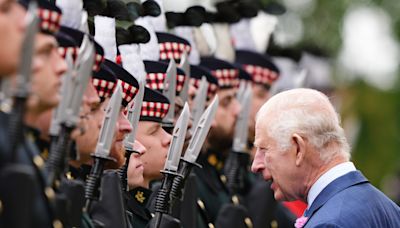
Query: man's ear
column 300, row 147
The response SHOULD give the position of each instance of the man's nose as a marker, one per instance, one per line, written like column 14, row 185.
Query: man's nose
column 123, row 123
column 258, row 163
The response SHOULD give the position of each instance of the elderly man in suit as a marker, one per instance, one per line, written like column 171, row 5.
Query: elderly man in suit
column 302, row 149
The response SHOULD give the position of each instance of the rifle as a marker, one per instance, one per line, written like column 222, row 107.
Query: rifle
column 69, row 113
column 102, row 154
column 22, row 90
column 192, row 152
column 237, row 161
column 134, row 109
column 171, row 166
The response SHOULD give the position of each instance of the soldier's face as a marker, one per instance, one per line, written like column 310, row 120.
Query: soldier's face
column 260, row 96
column 136, row 168
column 156, row 140
column 48, row 67
column 91, row 116
column 221, row 134
column 12, row 28
column 122, row 128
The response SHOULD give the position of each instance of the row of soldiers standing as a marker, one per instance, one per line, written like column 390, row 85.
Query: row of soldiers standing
column 99, row 104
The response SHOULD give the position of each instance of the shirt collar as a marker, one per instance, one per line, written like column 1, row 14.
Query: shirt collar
column 323, row 181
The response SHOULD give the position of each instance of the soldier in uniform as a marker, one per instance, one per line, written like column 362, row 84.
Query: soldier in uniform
column 212, row 190
column 263, row 209
column 156, row 141
column 47, row 68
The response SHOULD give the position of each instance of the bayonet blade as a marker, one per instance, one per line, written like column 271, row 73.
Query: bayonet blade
column 200, row 132
column 27, row 51
column 241, row 90
column 178, row 138
column 199, row 101
column 185, row 65
column 300, row 79
column 66, row 92
column 107, row 129
column 80, row 82
column 82, row 49
column 134, row 109
column 169, row 91
column 242, row 123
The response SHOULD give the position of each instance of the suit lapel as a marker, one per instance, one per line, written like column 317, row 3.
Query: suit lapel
column 336, row 186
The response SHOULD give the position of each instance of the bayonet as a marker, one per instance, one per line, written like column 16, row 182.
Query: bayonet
column 242, row 122
column 167, row 191
column 134, row 109
column 199, row 101
column 133, row 115
column 178, row 138
column 65, row 91
column 81, row 80
column 102, row 152
column 300, row 79
column 107, row 129
column 241, row 90
column 192, row 152
column 236, row 164
column 185, row 65
column 200, row 132
column 69, row 116
column 22, row 89
column 169, row 91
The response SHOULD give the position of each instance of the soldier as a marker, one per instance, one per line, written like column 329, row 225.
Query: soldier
column 212, row 190
column 47, row 68
column 262, row 207
column 156, row 75
column 156, row 141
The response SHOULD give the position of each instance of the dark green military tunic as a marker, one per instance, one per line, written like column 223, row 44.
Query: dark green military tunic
column 211, row 189
column 28, row 154
column 136, row 202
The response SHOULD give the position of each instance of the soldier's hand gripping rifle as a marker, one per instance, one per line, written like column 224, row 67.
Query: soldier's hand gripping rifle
column 102, row 153
column 134, row 109
column 69, row 115
column 192, row 152
column 236, row 164
column 21, row 93
column 171, row 166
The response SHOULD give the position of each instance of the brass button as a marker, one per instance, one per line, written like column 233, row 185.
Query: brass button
column 38, row 161
column 274, row 224
column 235, row 200
column 223, row 179
column 69, row 176
column 210, row 225
column 1, row 207
column 57, row 224
column 49, row 193
column 248, row 222
column 201, row 204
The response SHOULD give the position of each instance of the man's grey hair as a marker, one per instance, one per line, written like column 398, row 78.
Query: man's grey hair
column 308, row 113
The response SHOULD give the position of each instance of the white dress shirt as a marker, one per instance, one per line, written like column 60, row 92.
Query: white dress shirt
column 323, row 181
